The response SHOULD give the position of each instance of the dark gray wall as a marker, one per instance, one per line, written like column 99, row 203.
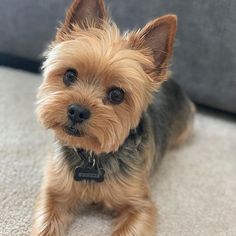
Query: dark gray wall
column 28, row 25
column 205, row 54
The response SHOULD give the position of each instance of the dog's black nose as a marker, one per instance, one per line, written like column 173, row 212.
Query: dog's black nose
column 77, row 113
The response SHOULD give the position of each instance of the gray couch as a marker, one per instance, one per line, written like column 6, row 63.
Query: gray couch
column 205, row 54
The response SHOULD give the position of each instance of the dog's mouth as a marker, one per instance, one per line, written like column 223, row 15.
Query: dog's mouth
column 73, row 131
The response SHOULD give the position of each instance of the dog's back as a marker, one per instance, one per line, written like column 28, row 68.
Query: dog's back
column 172, row 116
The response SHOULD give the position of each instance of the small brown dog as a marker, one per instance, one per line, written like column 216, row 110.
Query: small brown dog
column 105, row 97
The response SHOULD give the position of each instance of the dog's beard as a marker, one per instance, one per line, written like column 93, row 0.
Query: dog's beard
column 100, row 139
column 73, row 130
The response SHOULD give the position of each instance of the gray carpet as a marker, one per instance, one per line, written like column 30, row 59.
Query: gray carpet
column 195, row 187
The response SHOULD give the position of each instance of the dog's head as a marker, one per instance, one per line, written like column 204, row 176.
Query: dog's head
column 97, row 81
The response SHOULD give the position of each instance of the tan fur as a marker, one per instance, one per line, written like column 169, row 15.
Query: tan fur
column 60, row 198
column 103, row 58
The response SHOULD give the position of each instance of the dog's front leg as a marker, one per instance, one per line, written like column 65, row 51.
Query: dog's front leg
column 136, row 220
column 55, row 205
column 136, row 211
column 51, row 217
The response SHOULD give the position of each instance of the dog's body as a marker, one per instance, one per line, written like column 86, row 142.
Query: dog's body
column 119, row 120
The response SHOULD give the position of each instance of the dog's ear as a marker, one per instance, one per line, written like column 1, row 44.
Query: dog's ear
column 84, row 13
column 158, row 35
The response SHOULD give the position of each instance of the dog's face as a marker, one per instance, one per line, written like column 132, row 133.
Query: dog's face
column 97, row 82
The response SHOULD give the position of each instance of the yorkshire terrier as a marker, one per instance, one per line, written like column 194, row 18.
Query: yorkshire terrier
column 114, row 114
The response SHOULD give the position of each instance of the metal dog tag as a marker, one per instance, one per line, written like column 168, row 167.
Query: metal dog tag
column 83, row 173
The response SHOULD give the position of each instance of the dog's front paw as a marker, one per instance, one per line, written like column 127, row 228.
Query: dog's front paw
column 49, row 227
column 136, row 220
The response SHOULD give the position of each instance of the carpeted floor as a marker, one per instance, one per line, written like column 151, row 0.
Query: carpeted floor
column 195, row 187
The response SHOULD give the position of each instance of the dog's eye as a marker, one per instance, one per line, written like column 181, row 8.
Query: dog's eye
column 116, row 95
column 70, row 77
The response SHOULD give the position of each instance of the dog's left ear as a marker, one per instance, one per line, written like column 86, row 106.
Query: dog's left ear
column 84, row 13
column 158, row 35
